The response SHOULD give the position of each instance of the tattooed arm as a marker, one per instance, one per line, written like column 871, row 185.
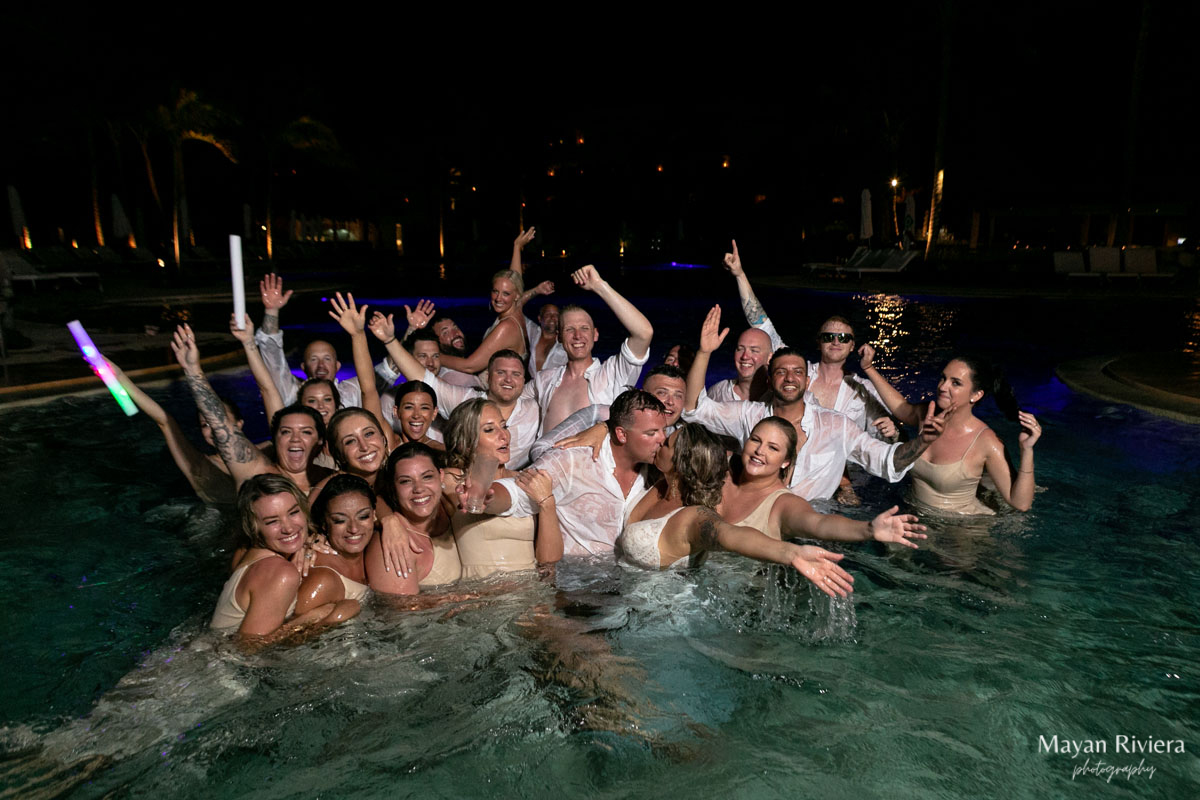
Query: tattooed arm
column 756, row 315
column 239, row 453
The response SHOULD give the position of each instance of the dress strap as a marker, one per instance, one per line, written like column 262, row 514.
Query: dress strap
column 973, row 441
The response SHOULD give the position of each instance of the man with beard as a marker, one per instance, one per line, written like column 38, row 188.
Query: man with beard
column 827, row 439
column 320, row 359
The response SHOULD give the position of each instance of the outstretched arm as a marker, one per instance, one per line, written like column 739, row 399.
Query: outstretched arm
column 243, row 459
column 711, row 337
column 903, row 410
column 639, row 328
column 272, row 402
column 817, row 564
column 208, row 482
column 756, row 315
column 905, row 455
column 798, row 518
column 518, row 245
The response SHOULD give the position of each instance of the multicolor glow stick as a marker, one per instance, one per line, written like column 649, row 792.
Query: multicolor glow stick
column 96, row 361
column 239, row 283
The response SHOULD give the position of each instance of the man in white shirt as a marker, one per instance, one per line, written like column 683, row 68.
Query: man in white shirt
column 593, row 496
column 827, row 439
column 506, row 387
column 584, row 380
column 320, row 358
column 545, row 351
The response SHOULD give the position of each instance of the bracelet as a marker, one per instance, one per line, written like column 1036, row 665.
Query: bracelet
column 389, row 341
column 1025, row 472
column 544, row 499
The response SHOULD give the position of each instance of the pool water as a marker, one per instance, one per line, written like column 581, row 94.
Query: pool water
column 935, row 679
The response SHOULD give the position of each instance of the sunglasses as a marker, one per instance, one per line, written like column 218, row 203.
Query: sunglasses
column 825, row 337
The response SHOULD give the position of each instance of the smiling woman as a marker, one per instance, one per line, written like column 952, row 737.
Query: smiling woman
column 260, row 595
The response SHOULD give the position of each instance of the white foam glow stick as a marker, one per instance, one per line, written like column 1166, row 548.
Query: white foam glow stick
column 239, row 283
column 92, row 356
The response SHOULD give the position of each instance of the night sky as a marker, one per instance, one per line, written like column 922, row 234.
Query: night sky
column 805, row 107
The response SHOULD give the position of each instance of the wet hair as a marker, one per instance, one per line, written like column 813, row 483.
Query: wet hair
column 686, row 355
column 297, row 408
column 385, row 481
column 425, row 334
column 506, row 353
column 415, row 387
column 335, row 422
column 517, row 280
column 231, row 407
column 700, row 464
column 567, row 309
column 667, row 371
column 337, row 486
column 780, row 353
column 837, row 318
column 255, row 489
column 461, row 433
column 628, row 402
column 333, row 390
column 988, row 378
column 789, row 431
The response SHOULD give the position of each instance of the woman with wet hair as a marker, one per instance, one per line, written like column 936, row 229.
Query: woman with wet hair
column 490, row 544
column 506, row 333
column 758, row 496
column 260, row 595
column 947, row 475
column 344, row 513
column 676, row 523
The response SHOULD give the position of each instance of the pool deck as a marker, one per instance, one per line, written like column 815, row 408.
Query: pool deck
column 1162, row 383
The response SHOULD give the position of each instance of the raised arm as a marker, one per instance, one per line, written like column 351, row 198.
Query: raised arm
column 756, row 315
column 270, row 339
column 272, row 401
column 353, row 320
column 243, row 459
column 711, row 337
column 932, row 425
column 384, row 328
column 900, row 408
column 519, row 243
column 1017, row 491
column 208, row 482
column 418, row 318
column 636, row 325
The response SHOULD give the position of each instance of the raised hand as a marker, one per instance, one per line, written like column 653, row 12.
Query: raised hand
column 933, row 424
column 243, row 335
column 183, row 343
column 587, row 278
column 711, row 334
column 891, row 526
column 537, row 484
column 1031, row 431
column 352, row 318
column 866, row 357
column 820, row 566
column 273, row 296
column 733, row 261
column 525, row 238
column 383, row 327
column 886, row 427
column 545, row 287
column 419, row 317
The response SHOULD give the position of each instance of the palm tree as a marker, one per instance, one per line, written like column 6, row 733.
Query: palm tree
column 303, row 136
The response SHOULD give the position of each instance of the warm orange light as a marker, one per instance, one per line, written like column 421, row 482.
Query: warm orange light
column 550, row 172
column 472, row 188
column 564, row 253
column 660, row 167
column 622, row 252
column 725, row 163
column 75, row 244
column 161, row 263
column 579, row 139
column 26, row 241
column 895, row 182
column 132, row 242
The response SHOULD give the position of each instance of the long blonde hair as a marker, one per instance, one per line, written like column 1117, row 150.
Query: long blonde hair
column 461, row 433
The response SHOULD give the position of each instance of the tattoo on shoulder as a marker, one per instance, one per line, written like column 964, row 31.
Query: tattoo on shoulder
column 709, row 525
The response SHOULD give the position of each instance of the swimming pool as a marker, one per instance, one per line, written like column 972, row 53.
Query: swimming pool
column 1077, row 620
